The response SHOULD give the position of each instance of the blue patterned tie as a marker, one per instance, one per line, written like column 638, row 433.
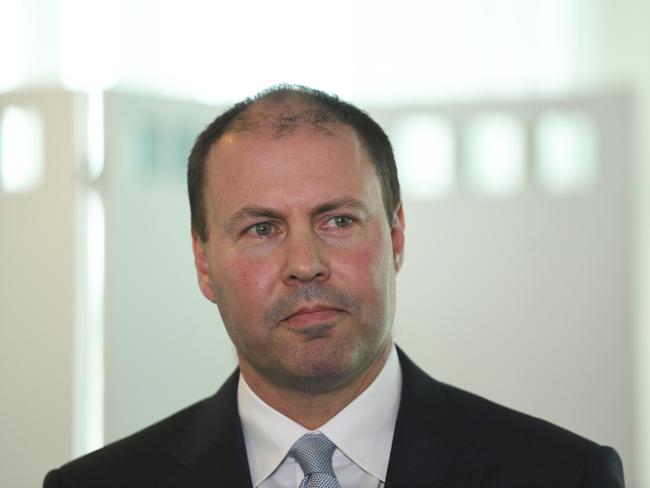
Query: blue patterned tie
column 314, row 454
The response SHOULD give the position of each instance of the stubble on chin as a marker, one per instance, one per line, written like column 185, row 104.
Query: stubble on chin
column 323, row 364
column 314, row 367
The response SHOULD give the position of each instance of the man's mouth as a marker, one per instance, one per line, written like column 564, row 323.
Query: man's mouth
column 313, row 315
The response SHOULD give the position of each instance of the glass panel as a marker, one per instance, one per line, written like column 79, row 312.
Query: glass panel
column 21, row 150
column 566, row 152
column 424, row 150
column 495, row 155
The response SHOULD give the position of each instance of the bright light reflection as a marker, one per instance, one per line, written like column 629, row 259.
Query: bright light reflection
column 89, row 346
column 89, row 43
column 95, row 134
column 427, row 55
column 22, row 163
column 424, row 150
column 12, row 44
column 495, row 164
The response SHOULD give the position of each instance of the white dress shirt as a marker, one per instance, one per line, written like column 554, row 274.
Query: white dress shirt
column 362, row 432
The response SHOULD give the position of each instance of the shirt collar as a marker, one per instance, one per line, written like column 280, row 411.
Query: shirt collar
column 362, row 431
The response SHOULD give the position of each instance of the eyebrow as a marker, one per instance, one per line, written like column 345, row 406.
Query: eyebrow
column 345, row 202
column 269, row 213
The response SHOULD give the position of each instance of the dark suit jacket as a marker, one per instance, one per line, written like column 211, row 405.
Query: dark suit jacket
column 444, row 437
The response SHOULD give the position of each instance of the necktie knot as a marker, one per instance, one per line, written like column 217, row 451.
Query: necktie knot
column 314, row 454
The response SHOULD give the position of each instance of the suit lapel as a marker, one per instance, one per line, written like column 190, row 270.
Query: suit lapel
column 211, row 449
column 429, row 432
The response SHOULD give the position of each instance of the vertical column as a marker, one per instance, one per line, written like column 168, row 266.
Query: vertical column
column 625, row 50
column 37, row 294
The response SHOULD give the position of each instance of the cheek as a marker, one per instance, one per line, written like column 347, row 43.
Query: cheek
column 368, row 269
column 249, row 280
column 240, row 283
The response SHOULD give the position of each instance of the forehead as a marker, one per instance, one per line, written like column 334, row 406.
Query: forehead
column 297, row 169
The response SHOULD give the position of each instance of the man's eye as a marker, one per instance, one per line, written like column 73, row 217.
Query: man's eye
column 263, row 229
column 340, row 221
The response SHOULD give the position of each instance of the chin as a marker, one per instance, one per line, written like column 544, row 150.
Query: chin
column 322, row 368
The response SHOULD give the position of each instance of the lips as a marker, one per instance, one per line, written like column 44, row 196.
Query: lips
column 306, row 316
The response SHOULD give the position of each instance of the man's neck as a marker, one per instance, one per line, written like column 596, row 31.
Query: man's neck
column 309, row 409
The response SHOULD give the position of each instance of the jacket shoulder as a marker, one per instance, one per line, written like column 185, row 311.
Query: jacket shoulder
column 428, row 398
column 128, row 458
column 514, row 445
column 506, row 425
column 501, row 442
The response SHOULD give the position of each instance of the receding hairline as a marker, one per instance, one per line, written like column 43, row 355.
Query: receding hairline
column 279, row 116
column 276, row 118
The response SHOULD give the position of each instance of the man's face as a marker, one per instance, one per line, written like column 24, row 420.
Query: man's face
column 300, row 258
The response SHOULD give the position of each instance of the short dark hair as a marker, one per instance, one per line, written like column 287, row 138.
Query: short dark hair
column 319, row 110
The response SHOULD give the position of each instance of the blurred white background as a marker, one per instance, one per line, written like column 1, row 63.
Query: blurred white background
column 519, row 128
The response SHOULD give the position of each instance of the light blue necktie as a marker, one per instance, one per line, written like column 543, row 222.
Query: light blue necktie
column 314, row 454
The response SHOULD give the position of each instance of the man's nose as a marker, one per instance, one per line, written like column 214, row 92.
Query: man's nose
column 304, row 260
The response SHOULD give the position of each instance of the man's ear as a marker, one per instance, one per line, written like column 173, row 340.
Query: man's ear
column 397, row 236
column 202, row 267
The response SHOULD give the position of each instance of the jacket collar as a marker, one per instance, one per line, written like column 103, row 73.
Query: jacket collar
column 431, row 430
column 211, row 448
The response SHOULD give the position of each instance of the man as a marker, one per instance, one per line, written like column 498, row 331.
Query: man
column 298, row 234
